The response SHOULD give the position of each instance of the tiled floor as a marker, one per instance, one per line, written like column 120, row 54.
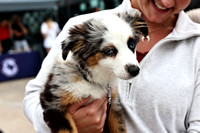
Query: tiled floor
column 12, row 119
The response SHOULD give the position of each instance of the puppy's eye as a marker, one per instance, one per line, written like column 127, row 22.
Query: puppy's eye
column 110, row 51
column 131, row 44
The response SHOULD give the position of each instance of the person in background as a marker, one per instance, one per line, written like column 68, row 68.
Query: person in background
column 19, row 33
column 163, row 98
column 6, row 35
column 49, row 31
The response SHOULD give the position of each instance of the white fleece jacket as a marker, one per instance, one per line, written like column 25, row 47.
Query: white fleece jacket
column 163, row 98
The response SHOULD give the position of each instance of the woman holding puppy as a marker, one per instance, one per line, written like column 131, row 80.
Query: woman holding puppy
column 164, row 97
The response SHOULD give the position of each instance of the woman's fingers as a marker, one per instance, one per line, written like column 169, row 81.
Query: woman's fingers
column 74, row 107
column 90, row 117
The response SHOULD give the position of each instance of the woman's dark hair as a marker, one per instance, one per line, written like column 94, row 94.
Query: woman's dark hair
column 48, row 16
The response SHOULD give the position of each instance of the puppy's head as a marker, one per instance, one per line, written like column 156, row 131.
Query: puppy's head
column 107, row 45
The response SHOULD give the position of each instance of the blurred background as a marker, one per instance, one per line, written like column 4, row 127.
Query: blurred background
column 24, row 36
column 23, row 31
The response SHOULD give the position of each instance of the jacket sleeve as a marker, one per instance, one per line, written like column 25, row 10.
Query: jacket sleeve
column 31, row 103
column 32, row 107
column 194, row 116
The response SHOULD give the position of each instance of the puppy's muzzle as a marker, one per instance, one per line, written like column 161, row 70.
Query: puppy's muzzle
column 133, row 70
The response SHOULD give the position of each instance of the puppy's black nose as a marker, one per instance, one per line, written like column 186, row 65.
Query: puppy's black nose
column 133, row 70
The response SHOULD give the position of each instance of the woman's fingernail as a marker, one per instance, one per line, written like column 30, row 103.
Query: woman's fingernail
column 85, row 95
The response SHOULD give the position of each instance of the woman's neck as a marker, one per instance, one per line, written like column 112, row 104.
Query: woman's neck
column 156, row 33
column 167, row 24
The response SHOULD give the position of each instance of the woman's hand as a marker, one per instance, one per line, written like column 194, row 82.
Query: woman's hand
column 89, row 118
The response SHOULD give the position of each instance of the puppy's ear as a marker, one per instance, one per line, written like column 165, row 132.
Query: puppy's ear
column 66, row 47
column 135, row 20
column 140, row 26
column 75, row 40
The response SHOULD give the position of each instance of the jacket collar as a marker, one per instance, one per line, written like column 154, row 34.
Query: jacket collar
column 185, row 27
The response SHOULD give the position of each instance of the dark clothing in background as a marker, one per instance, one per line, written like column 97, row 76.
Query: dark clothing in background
column 17, row 28
column 7, row 45
column 193, row 5
column 5, row 38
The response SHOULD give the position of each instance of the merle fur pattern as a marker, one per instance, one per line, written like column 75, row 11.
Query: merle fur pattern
column 84, row 41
